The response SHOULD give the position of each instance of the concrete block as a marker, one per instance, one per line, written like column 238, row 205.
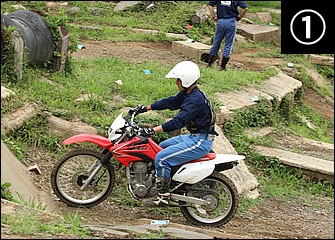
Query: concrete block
column 258, row 32
column 221, row 118
column 191, row 49
column 6, row 93
column 304, row 162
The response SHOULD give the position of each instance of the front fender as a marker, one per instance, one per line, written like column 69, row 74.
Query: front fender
column 88, row 137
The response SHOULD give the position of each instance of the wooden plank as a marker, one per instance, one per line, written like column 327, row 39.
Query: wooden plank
column 17, row 119
column 19, row 52
column 60, row 62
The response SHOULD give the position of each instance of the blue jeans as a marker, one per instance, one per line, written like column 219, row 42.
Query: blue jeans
column 180, row 149
column 225, row 28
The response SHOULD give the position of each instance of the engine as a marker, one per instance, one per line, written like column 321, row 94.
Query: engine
column 142, row 176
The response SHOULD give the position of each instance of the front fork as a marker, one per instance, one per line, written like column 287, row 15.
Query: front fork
column 104, row 161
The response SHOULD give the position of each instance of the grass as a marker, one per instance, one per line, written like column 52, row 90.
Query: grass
column 28, row 222
column 96, row 79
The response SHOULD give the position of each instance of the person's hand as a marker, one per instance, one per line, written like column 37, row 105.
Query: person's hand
column 238, row 18
column 145, row 132
column 141, row 108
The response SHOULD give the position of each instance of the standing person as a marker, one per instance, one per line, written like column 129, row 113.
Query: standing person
column 196, row 113
column 226, row 16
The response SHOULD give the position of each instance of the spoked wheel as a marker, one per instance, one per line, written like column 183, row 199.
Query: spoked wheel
column 223, row 198
column 70, row 173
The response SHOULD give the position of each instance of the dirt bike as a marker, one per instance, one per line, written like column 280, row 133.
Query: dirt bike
column 86, row 177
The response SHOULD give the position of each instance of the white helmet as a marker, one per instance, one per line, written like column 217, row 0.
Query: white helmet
column 187, row 71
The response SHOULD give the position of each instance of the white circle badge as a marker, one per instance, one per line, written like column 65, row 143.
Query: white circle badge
column 308, row 26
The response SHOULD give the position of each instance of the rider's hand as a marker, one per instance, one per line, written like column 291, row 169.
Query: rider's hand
column 147, row 132
column 141, row 108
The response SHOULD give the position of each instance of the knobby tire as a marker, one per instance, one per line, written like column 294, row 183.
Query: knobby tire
column 67, row 198
column 195, row 217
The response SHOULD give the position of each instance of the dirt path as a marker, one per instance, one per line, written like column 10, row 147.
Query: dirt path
column 271, row 219
column 161, row 52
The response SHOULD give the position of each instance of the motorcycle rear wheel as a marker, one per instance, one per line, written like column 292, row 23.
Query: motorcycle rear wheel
column 224, row 198
column 72, row 169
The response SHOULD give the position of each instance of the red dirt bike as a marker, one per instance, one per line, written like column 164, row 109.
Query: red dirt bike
column 86, row 177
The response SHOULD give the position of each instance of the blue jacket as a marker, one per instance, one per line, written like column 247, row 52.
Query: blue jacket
column 227, row 9
column 193, row 107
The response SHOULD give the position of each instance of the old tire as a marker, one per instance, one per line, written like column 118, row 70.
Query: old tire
column 36, row 35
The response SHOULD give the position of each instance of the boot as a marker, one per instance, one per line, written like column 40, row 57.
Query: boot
column 224, row 63
column 211, row 60
column 162, row 197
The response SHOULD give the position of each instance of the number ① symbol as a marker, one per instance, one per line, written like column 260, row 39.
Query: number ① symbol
column 311, row 24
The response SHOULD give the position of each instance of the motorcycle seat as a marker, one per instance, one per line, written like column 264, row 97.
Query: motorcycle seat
column 208, row 156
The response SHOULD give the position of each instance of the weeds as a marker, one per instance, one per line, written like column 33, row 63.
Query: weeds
column 6, row 193
column 29, row 222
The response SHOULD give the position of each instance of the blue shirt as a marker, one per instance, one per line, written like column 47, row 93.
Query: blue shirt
column 227, row 9
column 193, row 107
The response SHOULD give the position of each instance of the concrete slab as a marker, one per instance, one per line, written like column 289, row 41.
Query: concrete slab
column 277, row 86
column 212, row 232
column 107, row 230
column 185, row 234
column 258, row 32
column 321, row 60
column 6, row 93
column 245, row 182
column 124, row 4
column 260, row 133
column 300, row 161
column 176, row 232
column 191, row 49
column 21, row 185
column 280, row 85
column 241, row 98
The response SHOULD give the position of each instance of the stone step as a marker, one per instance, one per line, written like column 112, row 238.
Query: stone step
column 22, row 187
column 191, row 49
column 6, row 94
column 175, row 230
column 316, row 167
column 276, row 86
column 258, row 32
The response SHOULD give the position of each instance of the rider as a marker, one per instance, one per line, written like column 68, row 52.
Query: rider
column 196, row 113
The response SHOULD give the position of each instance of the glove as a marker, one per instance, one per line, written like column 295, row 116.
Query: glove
column 147, row 132
column 141, row 108
column 238, row 18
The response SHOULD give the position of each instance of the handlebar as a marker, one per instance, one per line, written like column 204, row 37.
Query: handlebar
column 130, row 119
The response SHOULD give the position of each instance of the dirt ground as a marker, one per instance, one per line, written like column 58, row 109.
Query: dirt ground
column 273, row 219
column 161, row 52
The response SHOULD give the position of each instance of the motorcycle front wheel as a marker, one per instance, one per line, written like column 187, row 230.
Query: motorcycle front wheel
column 222, row 194
column 70, row 172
